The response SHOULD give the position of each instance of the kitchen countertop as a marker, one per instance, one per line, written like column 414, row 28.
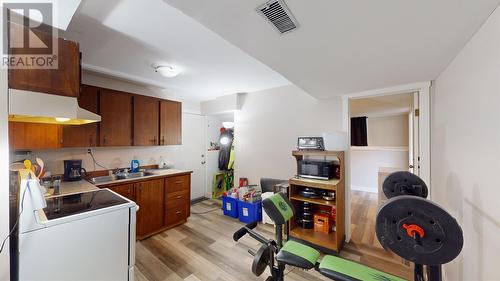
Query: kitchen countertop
column 156, row 174
column 72, row 187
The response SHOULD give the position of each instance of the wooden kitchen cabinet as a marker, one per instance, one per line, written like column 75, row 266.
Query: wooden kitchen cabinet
column 150, row 198
column 146, row 120
column 164, row 202
column 63, row 81
column 170, row 122
column 116, row 118
column 84, row 135
column 34, row 136
column 177, row 199
column 177, row 183
column 125, row 190
column 177, row 206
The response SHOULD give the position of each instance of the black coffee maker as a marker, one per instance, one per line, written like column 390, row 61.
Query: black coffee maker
column 73, row 170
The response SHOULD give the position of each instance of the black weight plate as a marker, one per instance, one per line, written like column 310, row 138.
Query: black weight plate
column 260, row 260
column 404, row 183
column 443, row 238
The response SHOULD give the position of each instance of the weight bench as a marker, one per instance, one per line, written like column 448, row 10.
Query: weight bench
column 296, row 254
column 305, row 257
column 409, row 225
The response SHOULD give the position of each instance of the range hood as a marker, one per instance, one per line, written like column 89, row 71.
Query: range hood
column 35, row 107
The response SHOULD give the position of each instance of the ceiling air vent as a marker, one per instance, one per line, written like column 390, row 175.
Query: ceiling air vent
column 279, row 15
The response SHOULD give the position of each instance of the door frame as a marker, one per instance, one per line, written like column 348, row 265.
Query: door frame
column 424, row 90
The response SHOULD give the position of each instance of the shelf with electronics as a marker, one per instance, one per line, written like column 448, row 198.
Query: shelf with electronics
column 331, row 241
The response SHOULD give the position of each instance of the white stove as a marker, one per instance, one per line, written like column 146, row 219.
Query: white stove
column 85, row 236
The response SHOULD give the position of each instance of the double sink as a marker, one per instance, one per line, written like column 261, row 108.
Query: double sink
column 120, row 176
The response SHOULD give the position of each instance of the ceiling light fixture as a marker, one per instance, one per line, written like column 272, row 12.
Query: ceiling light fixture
column 166, row 70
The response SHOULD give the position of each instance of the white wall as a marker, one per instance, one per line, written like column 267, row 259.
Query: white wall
column 223, row 104
column 466, row 151
column 365, row 163
column 214, row 124
column 388, row 131
column 267, row 127
column 109, row 157
column 4, row 176
column 387, row 147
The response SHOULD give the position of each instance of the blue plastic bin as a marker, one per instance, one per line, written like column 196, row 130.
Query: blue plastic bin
column 230, row 206
column 250, row 212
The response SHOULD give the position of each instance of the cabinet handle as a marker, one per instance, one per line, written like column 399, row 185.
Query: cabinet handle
column 179, row 197
column 163, row 140
column 104, row 140
column 154, row 140
column 178, row 212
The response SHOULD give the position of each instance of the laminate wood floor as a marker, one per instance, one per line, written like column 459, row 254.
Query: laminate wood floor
column 203, row 249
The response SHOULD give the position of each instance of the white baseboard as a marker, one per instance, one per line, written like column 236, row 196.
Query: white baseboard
column 364, row 188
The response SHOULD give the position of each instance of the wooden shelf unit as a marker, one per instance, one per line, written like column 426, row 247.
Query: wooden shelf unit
column 321, row 239
column 332, row 242
column 318, row 201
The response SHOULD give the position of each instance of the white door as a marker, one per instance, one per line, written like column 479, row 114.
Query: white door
column 411, row 162
column 413, row 147
column 193, row 151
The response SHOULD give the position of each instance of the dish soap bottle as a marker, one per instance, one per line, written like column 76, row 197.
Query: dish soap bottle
column 134, row 166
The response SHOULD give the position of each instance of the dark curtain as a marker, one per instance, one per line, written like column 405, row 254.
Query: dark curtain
column 359, row 135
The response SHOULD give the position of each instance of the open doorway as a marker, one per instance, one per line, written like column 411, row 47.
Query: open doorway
column 219, row 154
column 381, row 136
column 385, row 137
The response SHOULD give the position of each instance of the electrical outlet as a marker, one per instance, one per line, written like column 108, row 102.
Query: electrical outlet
column 89, row 151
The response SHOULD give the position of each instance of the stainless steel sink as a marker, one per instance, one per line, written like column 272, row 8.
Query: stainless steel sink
column 135, row 175
column 103, row 179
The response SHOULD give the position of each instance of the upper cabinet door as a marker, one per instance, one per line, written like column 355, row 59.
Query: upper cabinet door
column 116, row 118
column 34, row 136
column 170, row 122
column 63, row 81
column 146, row 120
column 84, row 135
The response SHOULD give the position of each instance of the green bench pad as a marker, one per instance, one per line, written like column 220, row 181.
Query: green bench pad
column 297, row 254
column 341, row 269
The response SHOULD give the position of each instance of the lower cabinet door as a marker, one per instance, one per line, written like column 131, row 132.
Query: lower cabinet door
column 174, row 199
column 176, row 214
column 125, row 190
column 150, row 198
column 178, row 183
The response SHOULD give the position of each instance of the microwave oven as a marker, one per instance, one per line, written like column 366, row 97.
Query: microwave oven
column 316, row 169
